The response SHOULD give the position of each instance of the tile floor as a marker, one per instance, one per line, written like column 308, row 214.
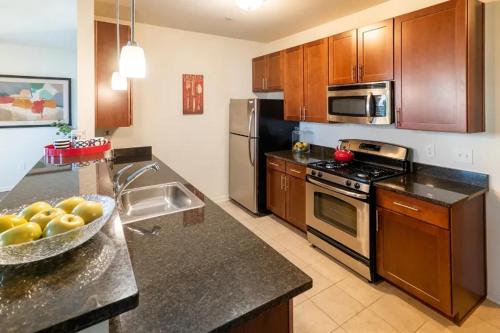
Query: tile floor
column 341, row 302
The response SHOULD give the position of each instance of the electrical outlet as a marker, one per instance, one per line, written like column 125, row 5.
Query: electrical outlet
column 464, row 155
column 430, row 151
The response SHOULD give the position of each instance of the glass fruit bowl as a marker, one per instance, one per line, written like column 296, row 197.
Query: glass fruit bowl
column 45, row 248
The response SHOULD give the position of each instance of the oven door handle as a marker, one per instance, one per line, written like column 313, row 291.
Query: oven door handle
column 338, row 190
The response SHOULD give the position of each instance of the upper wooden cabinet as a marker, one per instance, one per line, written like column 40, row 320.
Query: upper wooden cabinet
column 267, row 72
column 439, row 68
column 305, row 81
column 113, row 108
column 343, row 58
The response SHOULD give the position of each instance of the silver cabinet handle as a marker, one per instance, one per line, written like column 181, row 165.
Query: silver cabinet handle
column 406, row 206
column 274, row 164
column 305, row 109
column 281, row 182
column 296, row 171
column 263, row 83
column 287, row 183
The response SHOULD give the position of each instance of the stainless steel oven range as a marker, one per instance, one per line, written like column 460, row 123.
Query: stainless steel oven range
column 340, row 203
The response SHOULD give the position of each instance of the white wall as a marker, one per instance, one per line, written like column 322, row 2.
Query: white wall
column 20, row 148
column 196, row 145
column 486, row 146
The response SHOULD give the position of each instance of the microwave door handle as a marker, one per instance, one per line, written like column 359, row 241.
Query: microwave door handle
column 369, row 109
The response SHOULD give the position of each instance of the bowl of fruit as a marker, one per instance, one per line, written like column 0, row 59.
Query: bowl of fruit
column 45, row 229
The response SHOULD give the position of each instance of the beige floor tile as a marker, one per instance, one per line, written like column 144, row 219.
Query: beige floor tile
column 473, row 324
column 489, row 312
column 330, row 268
column 367, row 322
column 400, row 314
column 300, row 299
column 320, row 282
column 337, row 304
column 308, row 253
column 292, row 239
column 364, row 292
column 308, row 318
column 271, row 227
column 294, row 259
column 236, row 211
column 339, row 330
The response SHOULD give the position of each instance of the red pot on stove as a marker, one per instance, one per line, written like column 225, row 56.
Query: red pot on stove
column 343, row 155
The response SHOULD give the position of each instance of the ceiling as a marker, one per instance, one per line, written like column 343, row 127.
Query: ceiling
column 49, row 23
column 274, row 20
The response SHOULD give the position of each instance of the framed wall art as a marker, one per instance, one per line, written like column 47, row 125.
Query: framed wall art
column 30, row 101
column 192, row 94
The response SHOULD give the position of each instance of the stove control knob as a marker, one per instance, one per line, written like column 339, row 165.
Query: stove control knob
column 320, row 174
column 348, row 183
column 357, row 186
column 313, row 172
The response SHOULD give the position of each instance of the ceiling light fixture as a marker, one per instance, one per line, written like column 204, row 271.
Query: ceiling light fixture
column 132, row 60
column 118, row 82
column 249, row 4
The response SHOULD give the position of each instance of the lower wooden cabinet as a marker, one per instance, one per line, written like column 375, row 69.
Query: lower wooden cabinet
column 286, row 190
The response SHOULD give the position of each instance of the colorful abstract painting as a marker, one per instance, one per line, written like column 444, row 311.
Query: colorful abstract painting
column 34, row 101
column 192, row 94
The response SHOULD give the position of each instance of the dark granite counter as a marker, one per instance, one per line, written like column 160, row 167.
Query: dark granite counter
column 442, row 186
column 318, row 153
column 80, row 288
column 201, row 270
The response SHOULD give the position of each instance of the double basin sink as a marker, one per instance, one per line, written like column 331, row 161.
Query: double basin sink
column 156, row 200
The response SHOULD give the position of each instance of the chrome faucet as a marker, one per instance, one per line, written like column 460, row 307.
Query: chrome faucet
column 119, row 188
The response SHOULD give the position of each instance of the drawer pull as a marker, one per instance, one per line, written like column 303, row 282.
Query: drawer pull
column 405, row 206
column 274, row 164
column 296, row 171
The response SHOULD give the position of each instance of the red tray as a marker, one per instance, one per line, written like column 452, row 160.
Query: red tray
column 51, row 151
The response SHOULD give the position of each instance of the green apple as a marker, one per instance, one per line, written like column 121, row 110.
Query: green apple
column 88, row 211
column 10, row 221
column 33, row 209
column 23, row 233
column 63, row 223
column 47, row 215
column 69, row 204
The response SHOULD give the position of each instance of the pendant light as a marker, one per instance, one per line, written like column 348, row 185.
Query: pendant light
column 118, row 82
column 132, row 60
column 249, row 4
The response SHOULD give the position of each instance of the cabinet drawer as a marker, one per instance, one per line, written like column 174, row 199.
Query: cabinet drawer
column 296, row 170
column 419, row 209
column 276, row 164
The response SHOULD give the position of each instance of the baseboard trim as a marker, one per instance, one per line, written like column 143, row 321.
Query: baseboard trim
column 494, row 298
column 220, row 199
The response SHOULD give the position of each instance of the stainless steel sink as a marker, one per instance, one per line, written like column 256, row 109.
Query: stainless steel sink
column 157, row 200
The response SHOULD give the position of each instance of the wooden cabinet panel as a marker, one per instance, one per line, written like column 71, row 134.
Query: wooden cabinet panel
column 259, row 73
column 274, row 79
column 376, row 52
column 296, row 201
column 293, row 82
column 296, row 170
column 439, row 59
column 315, row 80
column 415, row 256
column 113, row 108
column 276, row 199
column 343, row 58
column 276, row 163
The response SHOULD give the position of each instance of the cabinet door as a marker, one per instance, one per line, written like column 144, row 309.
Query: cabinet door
column 315, row 80
column 112, row 108
column 293, row 82
column 296, row 201
column 415, row 256
column 430, row 68
column 376, row 52
column 274, row 80
column 259, row 73
column 276, row 199
column 343, row 58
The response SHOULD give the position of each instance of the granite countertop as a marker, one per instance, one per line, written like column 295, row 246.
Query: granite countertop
column 80, row 288
column 442, row 186
column 318, row 153
column 201, row 270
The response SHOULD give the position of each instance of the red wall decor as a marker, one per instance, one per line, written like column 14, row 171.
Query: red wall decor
column 192, row 94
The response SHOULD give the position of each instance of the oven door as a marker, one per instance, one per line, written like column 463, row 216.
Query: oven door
column 341, row 217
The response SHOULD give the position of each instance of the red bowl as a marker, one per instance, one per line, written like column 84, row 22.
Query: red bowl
column 343, row 155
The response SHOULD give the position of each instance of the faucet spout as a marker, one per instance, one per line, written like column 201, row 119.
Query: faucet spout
column 130, row 179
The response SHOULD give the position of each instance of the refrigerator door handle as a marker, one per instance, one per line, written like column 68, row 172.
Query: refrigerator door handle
column 250, row 127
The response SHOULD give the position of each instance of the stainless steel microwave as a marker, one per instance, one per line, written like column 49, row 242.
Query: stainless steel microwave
column 361, row 103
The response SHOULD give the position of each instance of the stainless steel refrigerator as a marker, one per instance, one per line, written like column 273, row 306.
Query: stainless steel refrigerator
column 256, row 126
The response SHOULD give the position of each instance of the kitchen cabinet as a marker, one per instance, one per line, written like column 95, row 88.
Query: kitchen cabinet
column 439, row 68
column 305, row 81
column 112, row 108
column 267, row 72
column 362, row 55
column 286, row 188
column 435, row 253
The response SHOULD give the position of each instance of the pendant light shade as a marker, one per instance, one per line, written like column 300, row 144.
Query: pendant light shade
column 118, row 82
column 132, row 60
column 249, row 4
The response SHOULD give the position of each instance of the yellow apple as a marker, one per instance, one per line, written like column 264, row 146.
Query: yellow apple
column 10, row 221
column 88, row 211
column 47, row 215
column 23, row 233
column 63, row 223
column 33, row 209
column 69, row 204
